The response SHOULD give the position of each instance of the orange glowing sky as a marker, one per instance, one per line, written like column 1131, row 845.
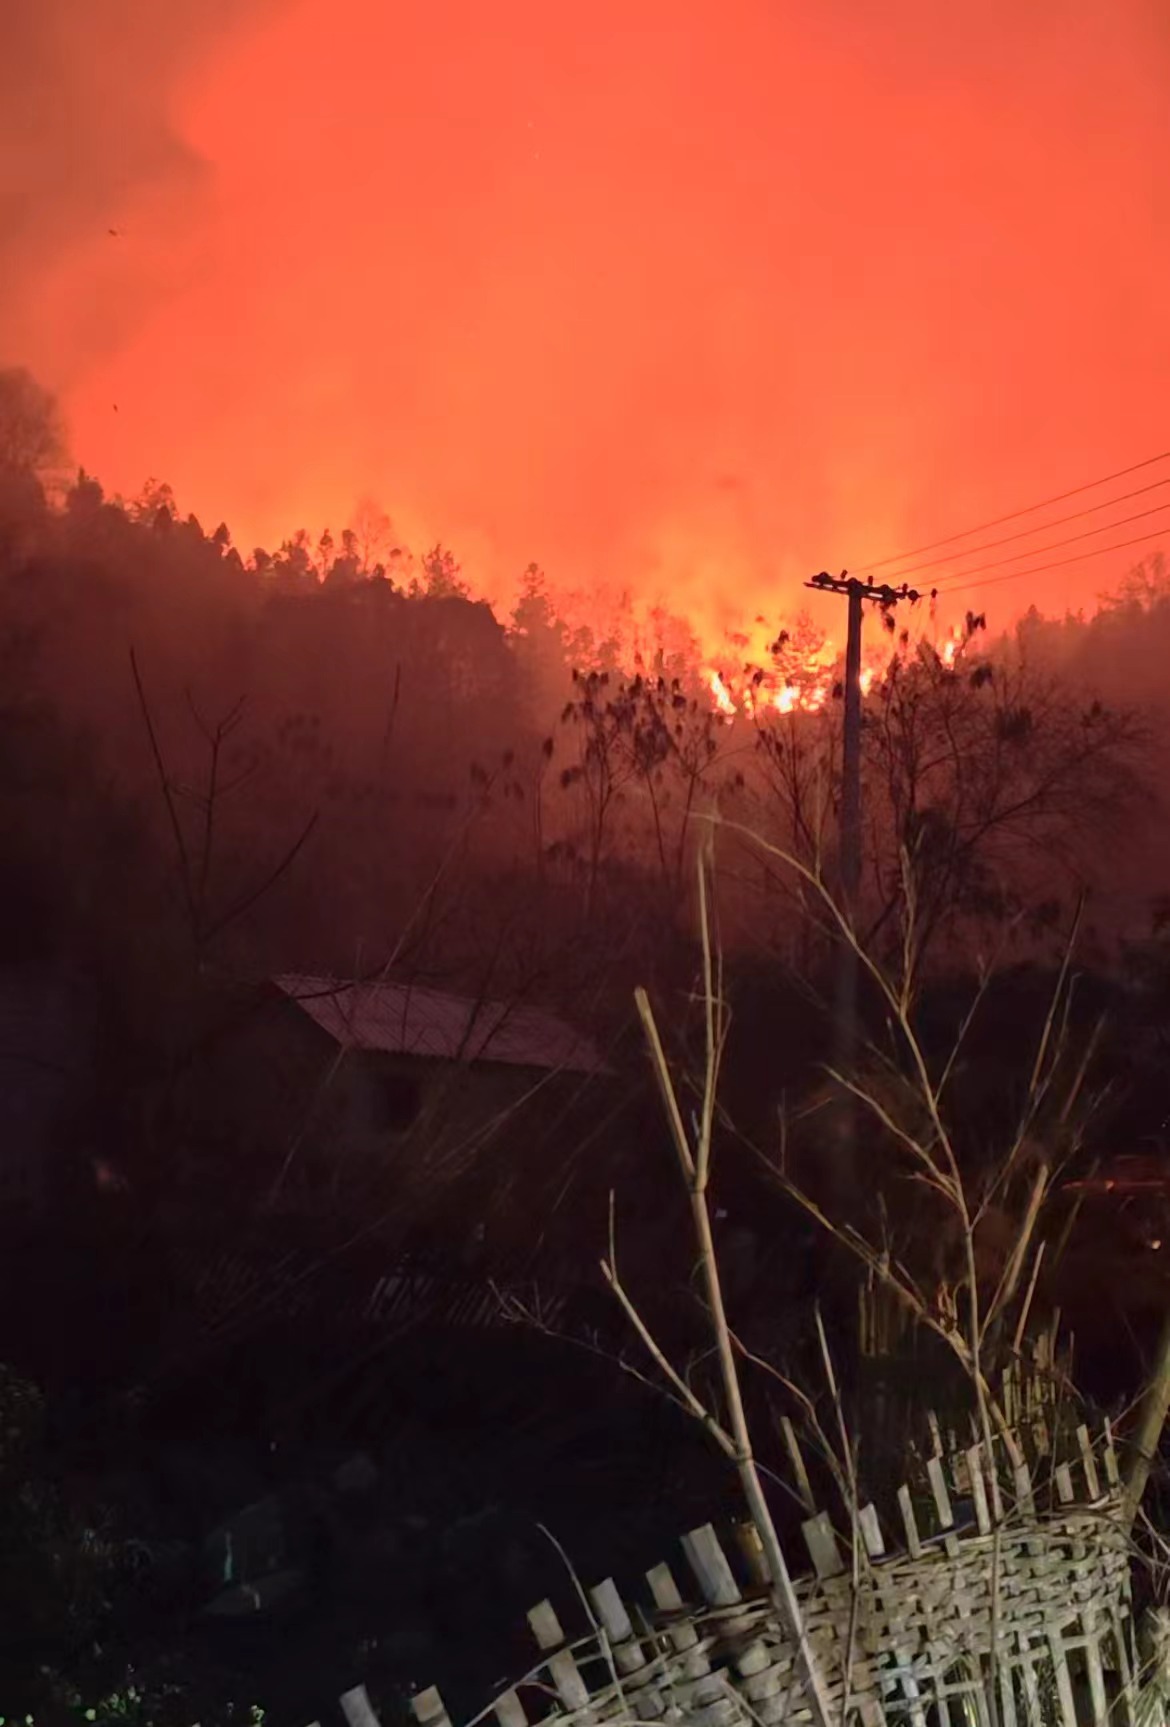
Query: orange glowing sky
column 694, row 296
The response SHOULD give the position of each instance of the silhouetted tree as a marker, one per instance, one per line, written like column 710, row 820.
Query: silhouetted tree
column 994, row 788
column 32, row 433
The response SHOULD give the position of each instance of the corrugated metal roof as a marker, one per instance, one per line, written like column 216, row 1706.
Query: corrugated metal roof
column 403, row 1019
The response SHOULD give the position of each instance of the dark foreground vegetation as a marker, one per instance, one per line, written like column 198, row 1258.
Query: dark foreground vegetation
column 288, row 1393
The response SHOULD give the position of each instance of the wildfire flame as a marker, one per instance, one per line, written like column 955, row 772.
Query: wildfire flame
column 751, row 670
column 809, row 690
column 723, row 698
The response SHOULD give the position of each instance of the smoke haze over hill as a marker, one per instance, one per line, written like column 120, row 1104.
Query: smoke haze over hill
column 690, row 300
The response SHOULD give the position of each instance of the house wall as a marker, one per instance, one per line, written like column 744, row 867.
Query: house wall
column 479, row 1140
column 445, row 1167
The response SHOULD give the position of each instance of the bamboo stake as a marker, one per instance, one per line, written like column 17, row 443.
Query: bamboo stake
column 696, row 1170
column 1155, row 1406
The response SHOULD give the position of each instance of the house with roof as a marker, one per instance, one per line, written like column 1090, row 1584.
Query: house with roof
column 456, row 1117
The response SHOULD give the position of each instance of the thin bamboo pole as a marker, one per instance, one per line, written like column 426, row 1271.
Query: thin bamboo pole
column 695, row 1165
column 1155, row 1406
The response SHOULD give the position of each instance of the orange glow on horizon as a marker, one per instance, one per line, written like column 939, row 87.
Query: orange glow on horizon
column 680, row 299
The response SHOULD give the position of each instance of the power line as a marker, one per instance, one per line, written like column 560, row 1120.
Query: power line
column 1014, row 515
column 959, row 586
column 1056, row 545
column 1026, row 533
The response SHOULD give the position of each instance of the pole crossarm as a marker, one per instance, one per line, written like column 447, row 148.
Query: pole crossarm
column 880, row 593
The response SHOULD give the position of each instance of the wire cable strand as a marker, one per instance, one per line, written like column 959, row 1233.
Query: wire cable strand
column 1026, row 533
column 960, row 586
column 1055, row 545
column 1014, row 515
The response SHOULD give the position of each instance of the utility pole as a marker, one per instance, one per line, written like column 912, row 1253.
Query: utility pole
column 857, row 593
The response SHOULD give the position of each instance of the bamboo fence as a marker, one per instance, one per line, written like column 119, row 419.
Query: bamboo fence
column 1003, row 1597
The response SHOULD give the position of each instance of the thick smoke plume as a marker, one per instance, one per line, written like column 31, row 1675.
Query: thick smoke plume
column 101, row 195
column 687, row 298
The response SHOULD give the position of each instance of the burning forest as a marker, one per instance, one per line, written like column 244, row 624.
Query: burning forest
column 558, row 992
column 328, row 889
